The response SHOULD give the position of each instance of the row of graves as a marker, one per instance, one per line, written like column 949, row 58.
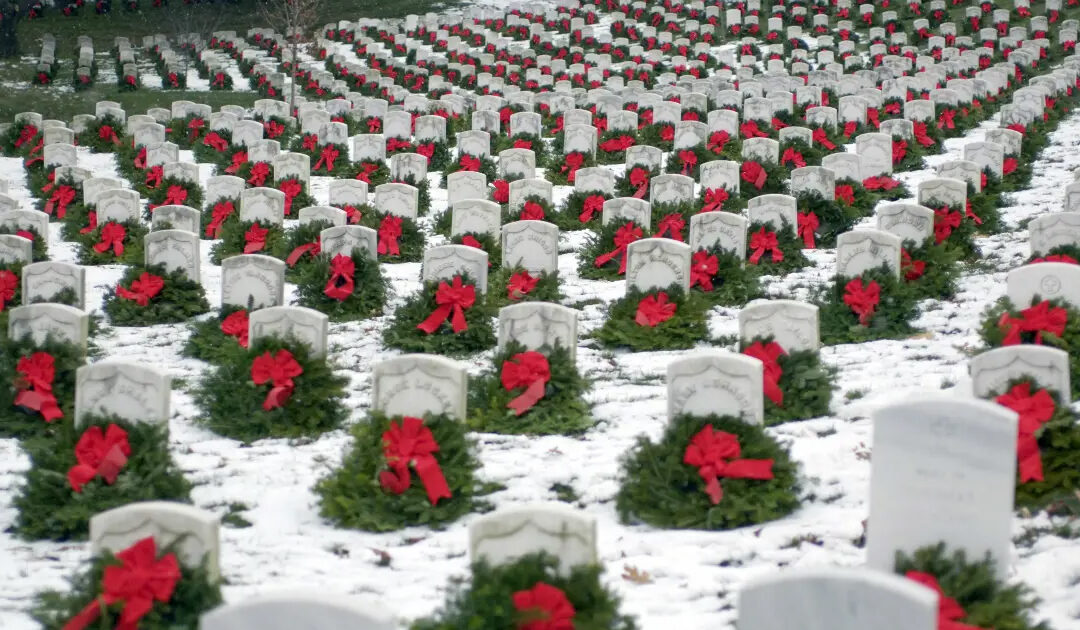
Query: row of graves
column 698, row 179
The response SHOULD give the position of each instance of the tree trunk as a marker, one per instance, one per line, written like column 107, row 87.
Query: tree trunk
column 9, row 41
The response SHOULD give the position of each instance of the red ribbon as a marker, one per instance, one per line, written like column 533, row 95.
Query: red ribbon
column 106, row 132
column 255, row 238
column 219, row 80
column 807, row 226
column 529, row 370
column 765, row 241
column 520, row 285
column 501, row 193
column 453, row 300
column 945, row 221
column 139, row 581
column 793, row 156
column 593, row 204
column 9, row 282
column 194, row 128
column 912, row 269
column 717, row 141
column 845, row 193
column 34, row 384
column 215, row 142
column 716, row 454
column 621, row 143
column 222, row 211
column 100, row 454
column 921, row 135
column 714, row 199
column 259, row 172
column 883, row 182
column 427, row 150
column 544, row 607
column 175, row 196
column 366, row 169
column 341, row 283
column 144, row 289
column 768, row 353
column 112, row 237
column 703, row 267
column 291, row 188
column 1037, row 319
column 571, row 163
column 532, row 211
column 947, row 119
column 639, row 179
column 970, row 213
column 273, row 129
column 862, row 299
column 469, row 163
column 899, row 151
column 238, row 160
column 389, row 233
column 412, row 444
column 754, row 174
column 850, row 127
column 91, row 223
column 309, row 142
column 820, row 136
column 374, row 125
column 27, row 134
column 313, row 248
column 689, row 161
column 1034, row 410
column 61, row 197
column 153, row 176
column 1060, row 258
column 625, row 235
column 396, row 144
column 749, row 129
column 1008, row 167
column 654, row 310
column 279, row 370
column 671, row 226
column 236, row 325
column 948, row 608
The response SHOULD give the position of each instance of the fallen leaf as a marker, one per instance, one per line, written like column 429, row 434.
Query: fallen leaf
column 632, row 574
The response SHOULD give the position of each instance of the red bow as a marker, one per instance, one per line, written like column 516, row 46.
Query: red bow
column 621, row 143
column 309, row 142
column 625, row 235
column 520, row 285
column 389, row 233
column 100, row 454
column 793, row 156
column 112, row 237
column 716, row 454
column 717, row 140
column 529, row 370
column 502, row 191
column 453, row 301
column 397, row 144
column 749, row 129
column 59, row 200
column 571, row 164
column 1060, row 258
column 427, row 150
column 754, row 174
column 215, row 142
column 819, row 136
column 106, row 132
column 352, row 214
column 947, row 119
column 291, row 188
column 921, row 135
column 883, row 182
column 1037, row 319
column 970, row 213
column 412, row 444
column 850, row 127
column 9, row 282
column 768, row 353
column 778, row 124
column 153, row 176
column 808, row 225
column 667, row 133
column 639, row 178
column 845, row 193
column 593, row 204
column 273, row 129
column 702, row 269
column 236, row 325
column 714, row 199
column 873, row 116
column 259, row 173
column 1034, row 410
column 313, row 248
column 195, row 127
column 374, row 125
column 1008, row 167
column 140, row 159
column 91, row 223
column 763, row 241
column 27, row 134
column 144, row 289
column 279, row 370
column 219, row 79
column 176, row 196
column 671, row 226
column 138, row 582
column 341, row 283
column 222, row 210
column 945, row 221
column 544, row 607
column 366, row 169
column 255, row 238
column 689, row 161
column 532, row 211
column 912, row 269
column 862, row 299
column 34, row 384
column 948, row 609
column 654, row 310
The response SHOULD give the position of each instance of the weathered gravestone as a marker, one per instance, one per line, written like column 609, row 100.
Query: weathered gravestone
column 446, row 261
column 40, row 321
column 291, row 610
column 194, row 532
column 1048, row 281
column 263, row 204
column 252, row 281
column 991, row 371
column 908, row 221
column 176, row 218
column 298, row 323
column 716, row 383
column 792, row 324
column 346, row 239
column 504, row 536
column 859, row 251
column 657, row 264
column 131, row 391
column 1054, row 230
column 418, row 385
column 531, row 245
column 723, row 230
column 175, row 249
column 538, row 325
column 42, row 281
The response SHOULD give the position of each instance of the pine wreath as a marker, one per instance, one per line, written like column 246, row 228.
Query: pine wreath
column 993, row 331
column 986, row 601
column 660, row 489
column 216, row 214
column 985, row 207
column 179, row 299
column 522, row 141
column 207, row 340
column 60, row 198
column 569, row 216
column 486, row 598
column 809, row 153
column 194, row 594
column 600, row 245
column 612, row 145
column 727, row 200
column 1061, row 253
column 232, row 405
column 234, row 239
column 371, row 172
column 403, row 334
column 321, row 161
column 501, row 292
column 891, row 317
column 484, row 164
column 931, row 270
column 207, row 149
column 22, row 422
column 834, row 216
column 683, row 211
column 726, row 281
column 684, row 329
column 49, row 508
column 189, row 194
column 102, row 135
column 485, row 242
column 953, row 228
column 807, row 385
column 533, row 208
column 561, row 410
column 132, row 242
column 790, row 246
column 410, row 243
column 367, row 299
column 775, row 175
column 560, row 166
column 353, row 495
column 629, row 183
column 289, row 248
column 688, row 161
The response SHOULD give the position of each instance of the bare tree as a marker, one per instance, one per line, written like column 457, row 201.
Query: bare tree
column 200, row 18
column 295, row 20
column 11, row 11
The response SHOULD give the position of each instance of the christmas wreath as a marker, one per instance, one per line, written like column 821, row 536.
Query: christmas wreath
column 798, row 385
column 1051, row 322
column 344, row 287
column 111, row 243
column 226, row 332
column 248, row 237
column 296, row 195
column 400, row 239
column 655, row 320
column 582, row 210
column 822, row 220
column 300, row 246
column 1063, row 253
column 603, row 255
column 148, row 295
column 217, row 214
column 477, row 164
column 875, row 305
column 931, row 270
column 40, row 386
column 722, row 277
column 775, row 252
column 635, row 181
column 448, row 317
column 513, row 285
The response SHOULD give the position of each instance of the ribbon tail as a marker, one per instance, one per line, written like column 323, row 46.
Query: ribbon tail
column 253, row 247
column 112, row 464
column 427, row 468
column 458, row 320
column 85, row 617
column 278, row 396
column 712, row 485
column 437, row 317
column 528, row 398
column 79, row 475
column 298, row 253
column 773, row 392
column 760, row 469
column 1030, row 461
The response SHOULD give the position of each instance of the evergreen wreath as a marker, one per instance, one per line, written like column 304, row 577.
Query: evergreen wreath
column 986, row 601
column 562, row 410
column 616, row 141
column 560, row 166
column 688, row 161
column 953, row 228
column 302, row 199
column 625, row 185
column 834, row 216
column 660, row 489
column 568, row 217
column 102, row 135
column 353, row 495
column 985, row 207
column 485, row 165
column 891, row 318
column 232, row 405
column 341, row 165
column 807, row 385
column 223, row 210
column 76, row 219
column 546, row 210
column 411, row 242
column 775, row 175
column 684, row 329
column 208, row 342
column 710, row 196
column 206, row 152
column 22, row 422
column 787, row 242
column 194, row 594
column 993, row 333
column 936, row 277
column 49, row 508
column 403, row 334
column 602, row 243
column 372, row 172
column 504, row 141
column 368, row 297
column 485, row 242
column 486, row 598
column 725, row 281
column 192, row 194
column 684, row 210
column 546, row 288
column 234, row 239
column 1061, row 253
column 178, row 300
column 132, row 254
column 300, row 236
column 811, row 154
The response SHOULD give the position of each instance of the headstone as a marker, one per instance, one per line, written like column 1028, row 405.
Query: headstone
column 476, row 216
column 131, row 391
column 333, row 216
column 859, row 251
column 444, row 262
column 1054, row 230
column 195, row 532
column 531, row 245
column 725, row 230
column 462, row 185
column 952, row 192
column 671, row 189
column 224, row 187
column 348, row 192
column 908, row 221
column 419, row 384
column 400, row 200
column 43, row 280
column 777, row 211
column 263, row 204
column 252, row 281
column 716, row 383
column 792, row 324
column 305, row 325
column 15, row 249
column 537, row 325
column 290, row 610
column 627, row 209
column 504, row 536
column 117, row 204
column 991, row 371
column 1048, row 281
column 656, row 264
column 175, row 249
column 345, row 239
column 39, row 321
